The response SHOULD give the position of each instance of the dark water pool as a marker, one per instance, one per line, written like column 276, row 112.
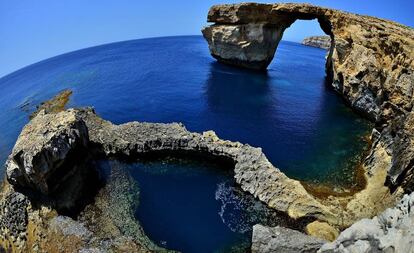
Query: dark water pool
column 195, row 205
column 302, row 126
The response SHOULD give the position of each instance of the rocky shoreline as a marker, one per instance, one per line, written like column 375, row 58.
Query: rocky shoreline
column 370, row 65
column 38, row 169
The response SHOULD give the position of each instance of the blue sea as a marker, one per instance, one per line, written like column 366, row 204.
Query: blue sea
column 302, row 125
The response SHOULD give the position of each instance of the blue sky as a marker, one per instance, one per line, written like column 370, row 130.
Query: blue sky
column 33, row 30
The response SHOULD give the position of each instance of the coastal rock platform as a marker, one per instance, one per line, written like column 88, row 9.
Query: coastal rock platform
column 100, row 139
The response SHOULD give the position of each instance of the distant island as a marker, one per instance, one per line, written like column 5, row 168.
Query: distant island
column 323, row 41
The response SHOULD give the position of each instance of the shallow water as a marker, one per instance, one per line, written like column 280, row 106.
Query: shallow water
column 303, row 127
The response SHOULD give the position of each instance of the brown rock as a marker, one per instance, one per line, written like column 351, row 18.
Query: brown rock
column 322, row 230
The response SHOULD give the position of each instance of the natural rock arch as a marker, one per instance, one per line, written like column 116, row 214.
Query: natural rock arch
column 247, row 35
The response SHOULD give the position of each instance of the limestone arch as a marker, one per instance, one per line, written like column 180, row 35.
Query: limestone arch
column 254, row 44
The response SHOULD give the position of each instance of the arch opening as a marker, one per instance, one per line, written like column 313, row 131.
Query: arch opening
column 312, row 28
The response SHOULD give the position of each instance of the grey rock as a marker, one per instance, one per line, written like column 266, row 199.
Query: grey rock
column 45, row 150
column 391, row 231
column 283, row 240
column 69, row 227
column 323, row 42
column 13, row 215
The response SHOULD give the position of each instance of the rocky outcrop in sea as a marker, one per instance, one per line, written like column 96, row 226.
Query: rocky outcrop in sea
column 323, row 42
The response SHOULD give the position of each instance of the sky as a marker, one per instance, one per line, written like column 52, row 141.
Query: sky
column 34, row 30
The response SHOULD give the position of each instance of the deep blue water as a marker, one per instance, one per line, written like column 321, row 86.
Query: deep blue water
column 188, row 206
column 302, row 126
column 195, row 206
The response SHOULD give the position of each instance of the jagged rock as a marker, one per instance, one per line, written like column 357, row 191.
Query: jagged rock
column 391, row 231
column 13, row 217
column 46, row 150
column 252, row 171
column 323, row 42
column 282, row 240
column 367, row 52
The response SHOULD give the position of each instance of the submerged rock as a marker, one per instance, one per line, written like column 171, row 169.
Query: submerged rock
column 53, row 105
column 323, row 42
column 283, row 240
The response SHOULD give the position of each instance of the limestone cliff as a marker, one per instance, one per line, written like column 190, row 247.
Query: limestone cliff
column 323, row 42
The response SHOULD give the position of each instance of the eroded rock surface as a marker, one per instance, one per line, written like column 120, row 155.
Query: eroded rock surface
column 371, row 61
column 252, row 171
column 323, row 42
column 53, row 105
column 283, row 240
column 46, row 151
column 391, row 231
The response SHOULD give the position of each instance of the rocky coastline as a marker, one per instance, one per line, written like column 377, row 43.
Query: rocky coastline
column 323, row 42
column 369, row 64
column 54, row 201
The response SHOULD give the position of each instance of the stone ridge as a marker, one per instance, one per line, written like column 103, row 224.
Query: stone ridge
column 252, row 170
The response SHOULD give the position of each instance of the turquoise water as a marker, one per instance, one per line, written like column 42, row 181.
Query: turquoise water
column 302, row 126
